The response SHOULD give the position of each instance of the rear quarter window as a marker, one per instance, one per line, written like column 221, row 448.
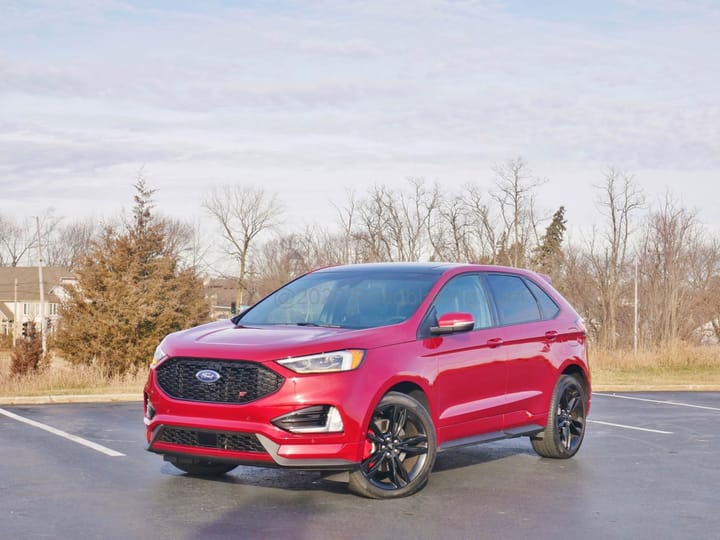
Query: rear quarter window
column 513, row 300
column 548, row 307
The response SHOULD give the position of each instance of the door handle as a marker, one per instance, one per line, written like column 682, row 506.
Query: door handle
column 494, row 342
column 551, row 335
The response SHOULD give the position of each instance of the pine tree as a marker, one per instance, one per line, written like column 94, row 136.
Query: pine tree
column 131, row 292
column 548, row 256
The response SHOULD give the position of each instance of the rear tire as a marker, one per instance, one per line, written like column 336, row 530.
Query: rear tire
column 565, row 429
column 203, row 467
column 402, row 444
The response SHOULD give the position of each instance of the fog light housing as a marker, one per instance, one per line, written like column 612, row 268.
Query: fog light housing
column 149, row 409
column 315, row 419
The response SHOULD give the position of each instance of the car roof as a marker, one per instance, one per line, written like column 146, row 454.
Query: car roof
column 430, row 268
column 399, row 267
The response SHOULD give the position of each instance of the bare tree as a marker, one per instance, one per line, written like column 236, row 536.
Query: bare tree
column 577, row 285
column 516, row 205
column 17, row 240
column 483, row 242
column 180, row 237
column 619, row 199
column 394, row 224
column 703, row 265
column 670, row 241
column 372, row 226
column 287, row 256
column 243, row 213
column 353, row 242
column 14, row 242
column 450, row 230
column 196, row 250
column 410, row 215
column 70, row 243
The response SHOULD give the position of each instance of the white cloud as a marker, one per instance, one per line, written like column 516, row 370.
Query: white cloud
column 327, row 94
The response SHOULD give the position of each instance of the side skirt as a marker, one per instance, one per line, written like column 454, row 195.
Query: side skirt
column 520, row 431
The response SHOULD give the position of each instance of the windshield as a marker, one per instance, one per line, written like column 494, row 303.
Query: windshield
column 343, row 299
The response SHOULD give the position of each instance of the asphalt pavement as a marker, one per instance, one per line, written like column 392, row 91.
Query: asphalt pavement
column 648, row 468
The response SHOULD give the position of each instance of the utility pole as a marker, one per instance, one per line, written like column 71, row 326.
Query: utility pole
column 15, row 317
column 43, row 334
column 635, row 321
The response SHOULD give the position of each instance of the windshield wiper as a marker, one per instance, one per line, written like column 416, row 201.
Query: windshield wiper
column 306, row 323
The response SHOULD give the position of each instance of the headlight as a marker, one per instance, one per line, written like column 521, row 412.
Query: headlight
column 325, row 363
column 158, row 357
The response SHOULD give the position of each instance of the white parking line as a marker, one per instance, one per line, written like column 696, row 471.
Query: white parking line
column 659, row 401
column 631, row 427
column 64, row 435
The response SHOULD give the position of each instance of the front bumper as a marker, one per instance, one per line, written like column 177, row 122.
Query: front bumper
column 244, row 433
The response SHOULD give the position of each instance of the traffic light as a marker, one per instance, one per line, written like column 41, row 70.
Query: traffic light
column 25, row 329
column 233, row 308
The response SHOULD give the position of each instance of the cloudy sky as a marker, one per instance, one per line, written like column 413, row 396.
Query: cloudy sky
column 310, row 99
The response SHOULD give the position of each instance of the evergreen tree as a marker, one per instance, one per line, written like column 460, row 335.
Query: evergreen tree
column 132, row 291
column 548, row 256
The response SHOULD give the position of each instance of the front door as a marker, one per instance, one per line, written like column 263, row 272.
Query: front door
column 471, row 377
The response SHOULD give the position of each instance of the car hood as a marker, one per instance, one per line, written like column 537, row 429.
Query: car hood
column 223, row 339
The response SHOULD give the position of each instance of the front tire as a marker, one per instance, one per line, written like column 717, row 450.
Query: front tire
column 565, row 427
column 401, row 450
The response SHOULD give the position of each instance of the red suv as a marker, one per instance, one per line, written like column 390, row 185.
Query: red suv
column 373, row 369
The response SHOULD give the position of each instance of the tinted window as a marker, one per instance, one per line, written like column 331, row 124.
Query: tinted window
column 464, row 294
column 514, row 301
column 547, row 305
column 349, row 300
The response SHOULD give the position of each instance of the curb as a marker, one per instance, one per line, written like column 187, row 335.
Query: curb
column 601, row 388
column 70, row 398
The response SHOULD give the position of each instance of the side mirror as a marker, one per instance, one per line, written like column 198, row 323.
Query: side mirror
column 450, row 323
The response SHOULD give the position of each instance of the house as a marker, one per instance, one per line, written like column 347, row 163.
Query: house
column 221, row 293
column 20, row 296
column 707, row 334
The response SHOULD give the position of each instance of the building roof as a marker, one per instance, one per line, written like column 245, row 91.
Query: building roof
column 28, row 285
column 5, row 313
column 221, row 291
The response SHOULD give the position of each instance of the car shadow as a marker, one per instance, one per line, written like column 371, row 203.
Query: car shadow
column 478, row 454
column 336, row 482
column 269, row 477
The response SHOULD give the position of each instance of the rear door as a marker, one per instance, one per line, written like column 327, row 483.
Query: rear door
column 529, row 336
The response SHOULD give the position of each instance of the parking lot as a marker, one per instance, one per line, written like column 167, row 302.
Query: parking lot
column 648, row 469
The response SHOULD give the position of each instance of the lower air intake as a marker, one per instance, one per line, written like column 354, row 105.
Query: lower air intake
column 218, row 440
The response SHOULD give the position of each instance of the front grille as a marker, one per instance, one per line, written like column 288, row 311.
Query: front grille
column 239, row 382
column 220, row 440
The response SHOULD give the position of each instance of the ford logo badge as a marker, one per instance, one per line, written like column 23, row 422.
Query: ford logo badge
column 207, row 375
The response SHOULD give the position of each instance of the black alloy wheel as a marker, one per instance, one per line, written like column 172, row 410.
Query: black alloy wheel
column 401, row 439
column 565, row 428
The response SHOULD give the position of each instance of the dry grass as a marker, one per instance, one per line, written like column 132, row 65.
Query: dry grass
column 674, row 365
column 65, row 379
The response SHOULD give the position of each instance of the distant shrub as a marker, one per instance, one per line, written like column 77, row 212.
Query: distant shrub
column 27, row 357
